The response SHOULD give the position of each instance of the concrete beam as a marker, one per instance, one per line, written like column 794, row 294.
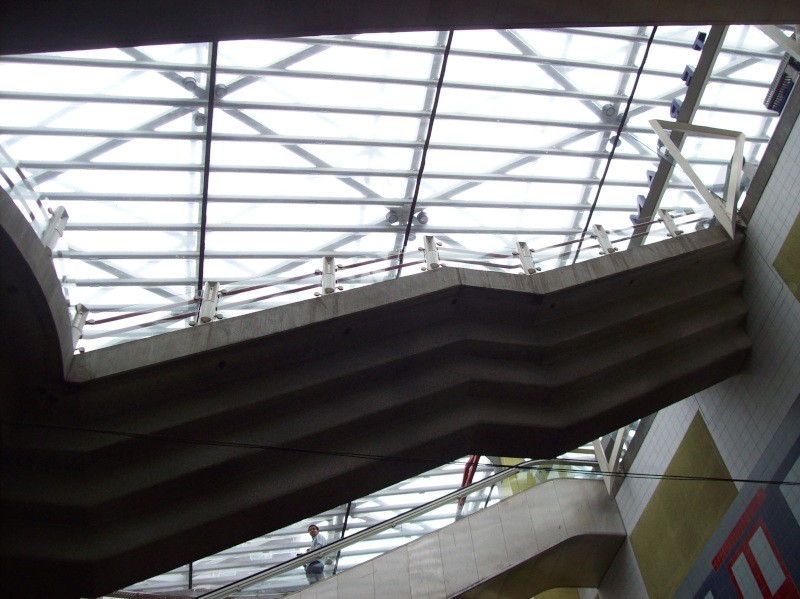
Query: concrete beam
column 35, row 321
column 39, row 26
column 159, row 452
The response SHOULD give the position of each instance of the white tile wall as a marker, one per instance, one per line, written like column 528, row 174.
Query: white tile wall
column 792, row 493
column 766, row 560
column 743, row 412
column 655, row 455
column 623, row 580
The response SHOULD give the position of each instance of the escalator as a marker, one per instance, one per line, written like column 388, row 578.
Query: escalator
column 561, row 533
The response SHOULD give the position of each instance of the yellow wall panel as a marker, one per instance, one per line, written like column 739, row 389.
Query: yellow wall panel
column 787, row 263
column 682, row 515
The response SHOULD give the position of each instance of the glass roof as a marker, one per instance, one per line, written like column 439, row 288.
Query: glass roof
column 350, row 146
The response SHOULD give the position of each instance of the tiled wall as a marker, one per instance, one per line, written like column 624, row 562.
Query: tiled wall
column 759, row 511
column 662, row 440
column 792, row 494
column 744, row 412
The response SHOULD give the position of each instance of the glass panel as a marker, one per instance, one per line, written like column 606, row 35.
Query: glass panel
column 109, row 134
column 317, row 145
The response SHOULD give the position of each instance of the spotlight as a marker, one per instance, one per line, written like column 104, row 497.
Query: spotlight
column 422, row 218
column 391, row 217
column 609, row 112
column 220, row 91
column 199, row 119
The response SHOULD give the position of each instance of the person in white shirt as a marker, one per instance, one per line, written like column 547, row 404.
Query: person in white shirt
column 315, row 569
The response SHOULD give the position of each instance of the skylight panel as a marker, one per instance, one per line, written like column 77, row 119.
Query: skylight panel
column 368, row 61
column 581, row 45
column 407, row 38
column 316, row 146
column 259, row 53
column 132, row 181
column 46, row 147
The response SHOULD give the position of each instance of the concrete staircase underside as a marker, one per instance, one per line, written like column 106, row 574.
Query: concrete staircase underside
column 126, row 462
column 564, row 533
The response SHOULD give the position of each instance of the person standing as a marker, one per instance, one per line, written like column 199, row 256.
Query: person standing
column 315, row 569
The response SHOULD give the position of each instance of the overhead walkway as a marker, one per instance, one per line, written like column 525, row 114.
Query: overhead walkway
column 564, row 533
column 129, row 461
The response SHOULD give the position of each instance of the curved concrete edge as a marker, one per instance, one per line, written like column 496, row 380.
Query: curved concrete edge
column 181, row 344
column 31, row 289
column 565, row 532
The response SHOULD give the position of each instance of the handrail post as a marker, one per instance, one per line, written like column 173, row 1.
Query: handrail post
column 208, row 306
column 431, row 252
column 78, row 322
column 55, row 228
column 525, row 255
column 602, row 238
column 669, row 223
column 328, row 273
column 608, row 465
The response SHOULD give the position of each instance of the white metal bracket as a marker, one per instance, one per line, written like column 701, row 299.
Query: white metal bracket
column 602, row 238
column 78, row 322
column 328, row 273
column 208, row 306
column 55, row 228
column 669, row 223
column 724, row 208
column 431, row 251
column 525, row 255
column 608, row 465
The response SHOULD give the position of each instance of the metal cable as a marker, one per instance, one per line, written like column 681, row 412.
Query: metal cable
column 618, row 138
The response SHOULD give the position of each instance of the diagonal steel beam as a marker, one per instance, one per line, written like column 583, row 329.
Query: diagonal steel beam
column 259, row 128
column 176, row 78
column 294, row 148
column 298, row 150
column 702, row 72
column 551, row 71
column 567, row 140
column 178, row 112
column 659, row 184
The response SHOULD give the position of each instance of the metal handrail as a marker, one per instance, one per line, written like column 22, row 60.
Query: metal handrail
column 239, row 585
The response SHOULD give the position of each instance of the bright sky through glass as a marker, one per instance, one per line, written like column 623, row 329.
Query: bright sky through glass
column 316, row 147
